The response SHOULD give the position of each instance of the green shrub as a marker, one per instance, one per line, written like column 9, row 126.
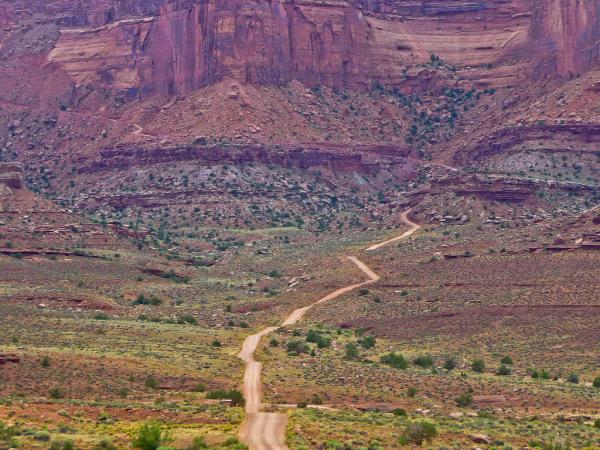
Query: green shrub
column 151, row 382
column 504, row 370
column 367, row 342
column 317, row 337
column 419, row 432
column 478, row 366
column 423, row 361
column 57, row 393
column 297, row 347
column 450, row 363
column 66, row 444
column 352, row 351
column 45, row 361
column 412, row 392
column 105, row 444
column 506, row 360
column 171, row 275
column 198, row 444
column 573, row 378
column 151, row 300
column 151, row 436
column 187, row 319
column 6, row 432
column 42, row 436
column 101, row 316
column 597, row 423
column 395, row 360
column 399, row 412
column 236, row 397
column 596, row 383
column 232, row 443
column 464, row 399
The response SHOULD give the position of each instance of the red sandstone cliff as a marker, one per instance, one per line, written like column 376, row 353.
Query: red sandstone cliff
column 174, row 46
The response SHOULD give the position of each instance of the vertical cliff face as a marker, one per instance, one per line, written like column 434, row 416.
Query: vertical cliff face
column 255, row 41
column 568, row 31
column 174, row 46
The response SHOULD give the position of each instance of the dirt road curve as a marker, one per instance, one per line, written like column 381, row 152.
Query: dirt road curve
column 266, row 431
column 413, row 227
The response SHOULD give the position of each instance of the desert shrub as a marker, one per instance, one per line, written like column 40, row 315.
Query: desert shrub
column 573, row 378
column 504, row 370
column 540, row 374
column 101, row 316
column 423, row 361
column 395, row 360
column 57, row 393
column 105, row 444
column 42, row 436
column 596, row 383
column 150, row 436
column 198, row 444
column 317, row 337
column 65, row 429
column 274, row 343
column 399, row 412
column 45, row 361
column 236, row 397
column 200, row 387
column 188, row 318
column 478, row 366
column 367, row 342
column 151, row 382
column 351, row 351
column 464, row 399
column 412, row 391
column 335, row 445
column 6, row 432
column 597, row 423
column 233, row 443
column 450, row 363
column 66, row 444
column 297, row 347
column 419, row 432
column 171, row 275
column 216, row 343
column 506, row 360
column 150, row 300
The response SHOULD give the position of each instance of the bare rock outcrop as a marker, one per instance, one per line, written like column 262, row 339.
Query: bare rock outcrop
column 11, row 175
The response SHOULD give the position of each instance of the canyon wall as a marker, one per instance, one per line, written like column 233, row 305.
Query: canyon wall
column 175, row 46
column 567, row 33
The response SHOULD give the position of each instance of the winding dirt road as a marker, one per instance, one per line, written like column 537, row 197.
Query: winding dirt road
column 266, row 431
column 413, row 227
